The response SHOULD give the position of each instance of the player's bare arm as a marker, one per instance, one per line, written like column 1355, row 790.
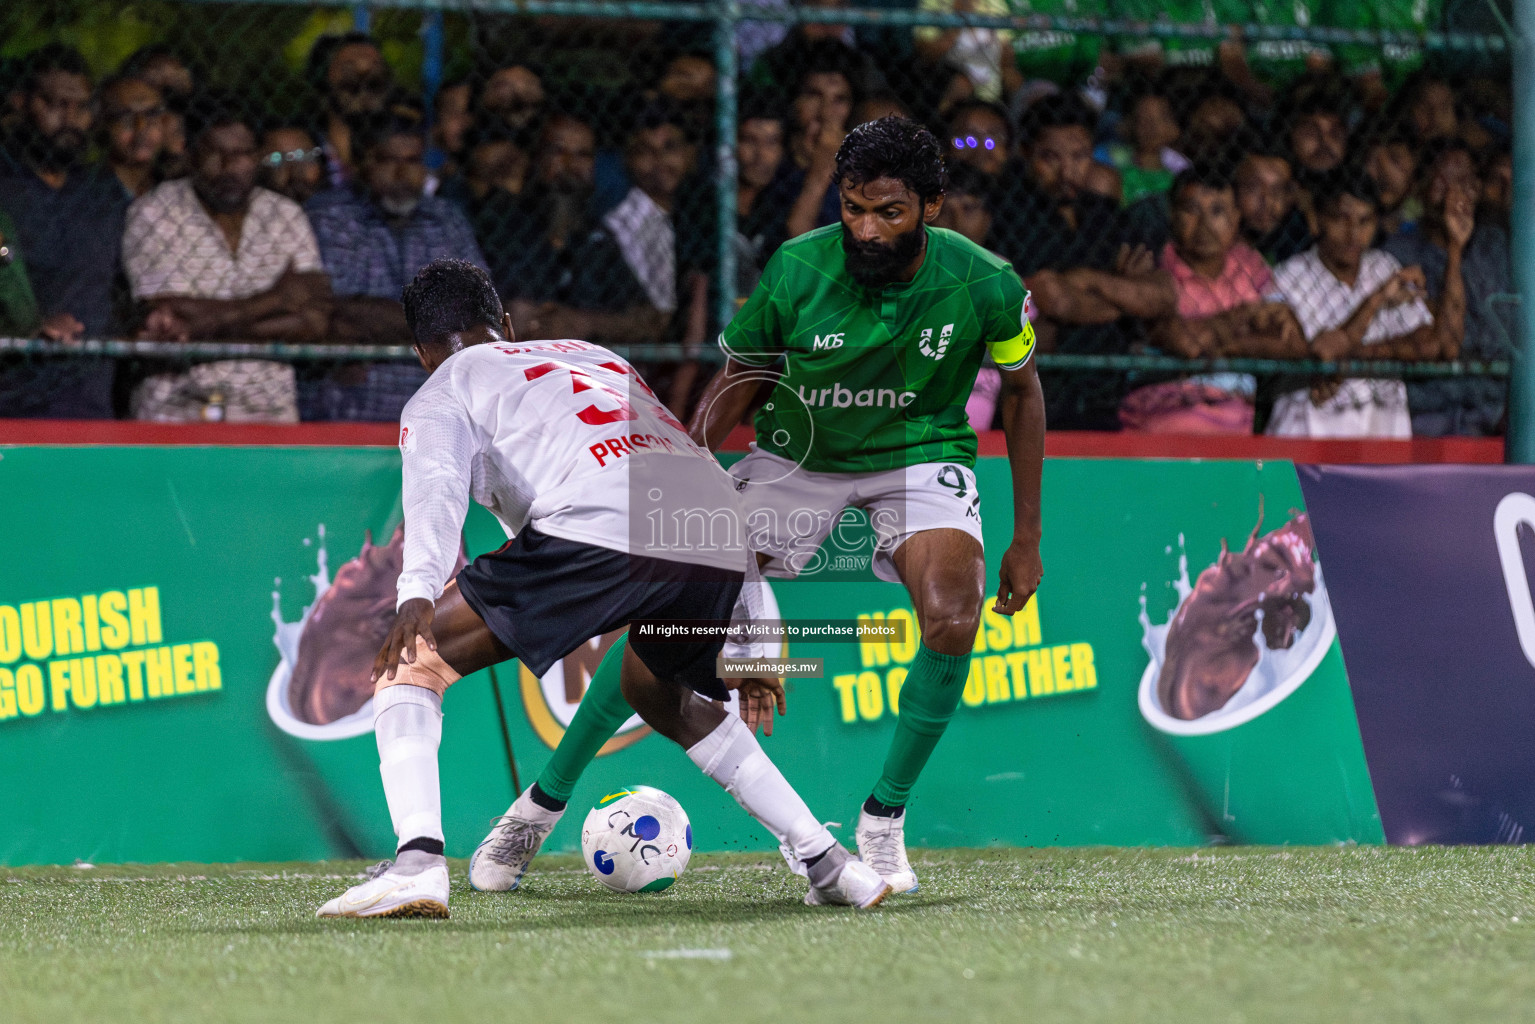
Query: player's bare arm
column 435, row 477
column 1023, row 426
column 723, row 406
column 724, row 403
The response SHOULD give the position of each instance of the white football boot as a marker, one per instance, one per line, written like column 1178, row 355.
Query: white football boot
column 842, row 880
column 882, row 846
column 386, row 894
column 499, row 862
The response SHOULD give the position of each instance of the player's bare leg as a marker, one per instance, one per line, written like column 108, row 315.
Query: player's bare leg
column 407, row 724
column 463, row 639
column 727, row 751
column 945, row 573
column 602, row 712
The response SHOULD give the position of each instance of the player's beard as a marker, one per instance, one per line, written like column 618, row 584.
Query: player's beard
column 61, row 151
column 874, row 264
column 225, row 194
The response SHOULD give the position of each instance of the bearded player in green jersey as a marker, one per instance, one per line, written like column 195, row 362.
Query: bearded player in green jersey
column 874, row 330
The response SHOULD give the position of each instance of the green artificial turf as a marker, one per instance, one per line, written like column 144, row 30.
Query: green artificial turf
column 1240, row 934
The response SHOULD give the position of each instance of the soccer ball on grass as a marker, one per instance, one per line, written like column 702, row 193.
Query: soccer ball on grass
column 637, row 840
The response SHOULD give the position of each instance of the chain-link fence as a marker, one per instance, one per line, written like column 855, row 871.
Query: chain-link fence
column 210, row 209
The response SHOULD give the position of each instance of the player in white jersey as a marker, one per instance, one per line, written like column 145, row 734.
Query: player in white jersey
column 599, row 487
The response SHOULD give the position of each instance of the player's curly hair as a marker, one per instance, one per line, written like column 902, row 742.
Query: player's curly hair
column 449, row 296
column 894, row 147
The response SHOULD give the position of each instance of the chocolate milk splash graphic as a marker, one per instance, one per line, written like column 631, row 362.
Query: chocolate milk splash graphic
column 1211, row 644
column 322, row 687
column 1248, row 632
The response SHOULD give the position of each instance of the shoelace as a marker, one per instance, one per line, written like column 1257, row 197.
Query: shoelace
column 883, row 852
column 378, row 870
column 517, row 836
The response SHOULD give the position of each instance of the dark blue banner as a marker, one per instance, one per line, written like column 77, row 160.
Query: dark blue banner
column 1429, row 571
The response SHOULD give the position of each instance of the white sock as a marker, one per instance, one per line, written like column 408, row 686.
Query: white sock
column 407, row 722
column 731, row 756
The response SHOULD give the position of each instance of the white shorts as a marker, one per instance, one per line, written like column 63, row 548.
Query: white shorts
column 790, row 511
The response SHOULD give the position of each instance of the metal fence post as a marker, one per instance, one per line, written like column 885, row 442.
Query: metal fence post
column 431, row 60
column 727, row 16
column 1520, row 447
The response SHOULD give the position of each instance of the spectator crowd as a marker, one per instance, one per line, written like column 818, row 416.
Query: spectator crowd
column 1191, row 197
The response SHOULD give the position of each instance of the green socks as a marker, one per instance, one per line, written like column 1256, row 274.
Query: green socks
column 602, row 711
column 928, row 699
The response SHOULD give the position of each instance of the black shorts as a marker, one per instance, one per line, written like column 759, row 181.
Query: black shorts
column 544, row 596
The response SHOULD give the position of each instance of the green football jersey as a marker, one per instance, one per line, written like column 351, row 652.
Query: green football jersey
column 1280, row 61
column 1395, row 60
column 1060, row 56
column 1178, row 51
column 877, row 379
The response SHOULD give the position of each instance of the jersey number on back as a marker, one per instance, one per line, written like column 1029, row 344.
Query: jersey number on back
column 580, row 382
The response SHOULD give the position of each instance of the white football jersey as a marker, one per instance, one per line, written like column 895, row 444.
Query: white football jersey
column 566, row 436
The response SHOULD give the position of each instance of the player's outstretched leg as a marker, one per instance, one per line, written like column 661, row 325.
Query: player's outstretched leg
column 726, row 751
column 516, row 837
column 407, row 724
column 501, row 860
column 944, row 570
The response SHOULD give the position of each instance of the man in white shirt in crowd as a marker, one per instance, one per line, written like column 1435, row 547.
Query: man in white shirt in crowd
column 569, row 449
column 215, row 257
column 1357, row 302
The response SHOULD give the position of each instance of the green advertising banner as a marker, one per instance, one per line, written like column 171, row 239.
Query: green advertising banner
column 185, row 637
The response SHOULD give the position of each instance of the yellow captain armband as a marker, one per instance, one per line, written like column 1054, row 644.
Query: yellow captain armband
column 1014, row 352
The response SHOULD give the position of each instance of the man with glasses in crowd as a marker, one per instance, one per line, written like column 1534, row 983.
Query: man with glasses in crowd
column 292, row 162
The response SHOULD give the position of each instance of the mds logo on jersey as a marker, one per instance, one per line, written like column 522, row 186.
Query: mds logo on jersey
column 927, row 347
column 828, row 341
